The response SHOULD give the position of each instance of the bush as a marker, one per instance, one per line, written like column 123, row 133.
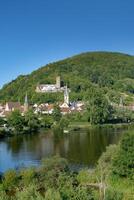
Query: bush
column 112, row 194
column 123, row 163
column 86, row 176
column 29, row 193
column 56, row 163
column 52, row 195
column 3, row 196
column 27, row 175
column 10, row 179
column 105, row 161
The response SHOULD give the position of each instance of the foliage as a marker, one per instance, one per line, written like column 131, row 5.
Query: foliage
column 47, row 121
column 86, row 176
column 16, row 121
column 52, row 181
column 123, row 163
column 97, row 77
column 123, row 115
column 10, row 179
column 52, row 195
column 29, row 193
column 2, row 121
column 125, row 85
column 105, row 161
column 112, row 71
column 55, row 163
column 98, row 107
column 64, row 122
column 27, row 175
column 31, row 120
column 113, row 194
column 57, row 113
column 22, row 124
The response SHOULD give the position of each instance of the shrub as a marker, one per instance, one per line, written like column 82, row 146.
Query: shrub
column 3, row 196
column 27, row 175
column 29, row 193
column 55, row 163
column 10, row 179
column 123, row 163
column 86, row 176
column 105, row 161
column 52, row 195
column 112, row 194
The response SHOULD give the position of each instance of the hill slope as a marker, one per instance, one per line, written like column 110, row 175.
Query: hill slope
column 112, row 71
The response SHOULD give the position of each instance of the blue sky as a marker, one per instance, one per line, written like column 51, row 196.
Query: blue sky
column 36, row 32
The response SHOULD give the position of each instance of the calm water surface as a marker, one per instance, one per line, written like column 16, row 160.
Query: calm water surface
column 81, row 148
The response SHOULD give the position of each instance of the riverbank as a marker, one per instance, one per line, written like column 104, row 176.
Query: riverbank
column 81, row 147
column 86, row 125
column 73, row 126
column 54, row 180
column 111, row 178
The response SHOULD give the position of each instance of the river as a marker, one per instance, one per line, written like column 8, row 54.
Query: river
column 81, row 148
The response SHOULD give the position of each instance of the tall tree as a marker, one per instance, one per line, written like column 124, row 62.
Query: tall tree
column 16, row 121
column 98, row 107
column 31, row 120
column 57, row 113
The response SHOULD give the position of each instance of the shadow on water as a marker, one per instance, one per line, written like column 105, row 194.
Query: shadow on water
column 81, row 148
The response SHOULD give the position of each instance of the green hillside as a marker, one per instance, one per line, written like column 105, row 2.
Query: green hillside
column 112, row 72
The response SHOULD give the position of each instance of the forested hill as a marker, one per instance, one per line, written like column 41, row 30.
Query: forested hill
column 113, row 72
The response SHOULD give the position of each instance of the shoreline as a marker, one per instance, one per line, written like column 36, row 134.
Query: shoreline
column 72, row 127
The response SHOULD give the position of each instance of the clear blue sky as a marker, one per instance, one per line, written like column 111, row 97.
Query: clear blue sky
column 36, row 32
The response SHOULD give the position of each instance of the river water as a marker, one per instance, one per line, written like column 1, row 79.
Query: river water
column 81, row 148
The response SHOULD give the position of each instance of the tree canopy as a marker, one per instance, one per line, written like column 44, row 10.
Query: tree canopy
column 111, row 71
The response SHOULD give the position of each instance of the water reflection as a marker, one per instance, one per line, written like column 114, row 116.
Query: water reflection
column 81, row 147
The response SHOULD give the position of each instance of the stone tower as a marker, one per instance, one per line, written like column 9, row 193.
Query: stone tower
column 58, row 82
column 121, row 102
column 66, row 95
column 26, row 104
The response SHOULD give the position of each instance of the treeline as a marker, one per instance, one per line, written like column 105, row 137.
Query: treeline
column 112, row 179
column 16, row 123
column 114, row 72
column 98, row 110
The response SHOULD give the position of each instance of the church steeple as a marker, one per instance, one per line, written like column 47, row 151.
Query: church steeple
column 66, row 95
column 26, row 103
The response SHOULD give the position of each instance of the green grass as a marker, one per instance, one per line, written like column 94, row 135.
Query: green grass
column 122, row 185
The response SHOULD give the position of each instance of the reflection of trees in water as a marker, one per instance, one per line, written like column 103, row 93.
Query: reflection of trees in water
column 30, row 147
column 60, row 144
column 14, row 144
column 86, row 147
column 82, row 147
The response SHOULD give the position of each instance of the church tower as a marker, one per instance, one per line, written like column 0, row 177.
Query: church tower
column 66, row 95
column 121, row 102
column 26, row 104
column 58, row 82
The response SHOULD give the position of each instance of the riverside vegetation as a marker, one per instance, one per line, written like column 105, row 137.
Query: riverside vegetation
column 112, row 179
column 99, row 79
column 97, row 112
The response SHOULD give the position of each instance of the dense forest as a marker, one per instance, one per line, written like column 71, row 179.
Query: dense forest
column 113, row 73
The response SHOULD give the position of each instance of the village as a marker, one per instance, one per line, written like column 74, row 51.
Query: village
column 66, row 107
